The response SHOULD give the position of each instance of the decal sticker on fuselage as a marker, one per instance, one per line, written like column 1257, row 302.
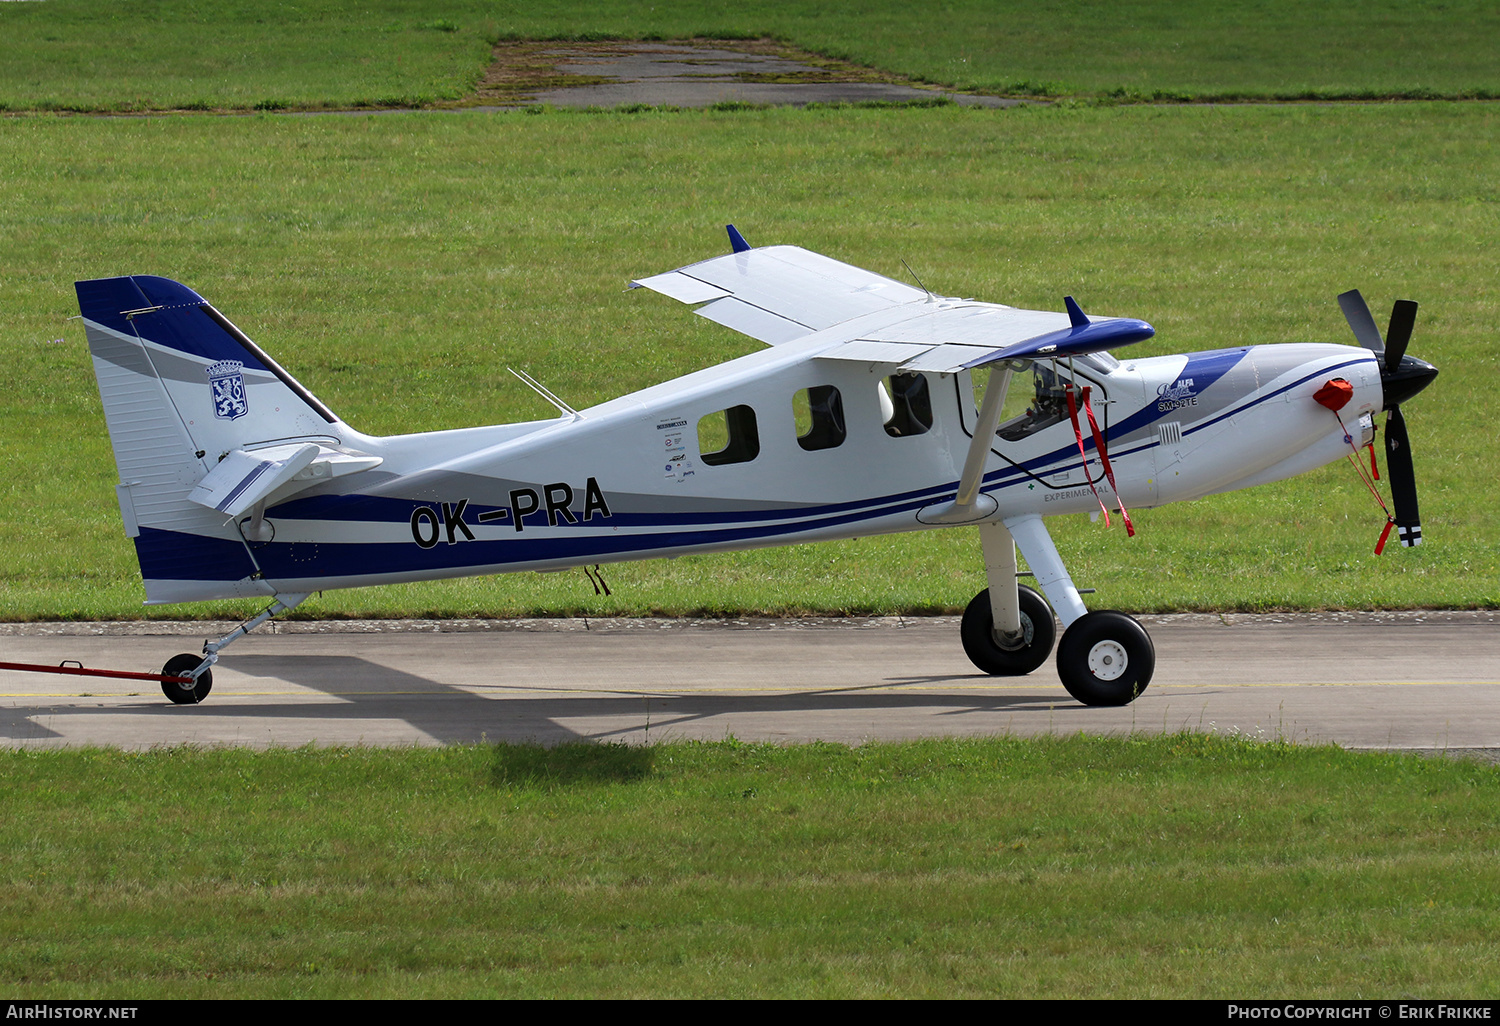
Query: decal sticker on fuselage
column 1072, row 493
column 677, row 462
column 446, row 521
column 1177, row 395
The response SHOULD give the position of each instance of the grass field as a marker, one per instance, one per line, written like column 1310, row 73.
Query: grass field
column 398, row 264
column 1169, row 866
column 185, row 54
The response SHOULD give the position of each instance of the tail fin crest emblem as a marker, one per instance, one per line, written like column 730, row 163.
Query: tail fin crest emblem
column 227, row 381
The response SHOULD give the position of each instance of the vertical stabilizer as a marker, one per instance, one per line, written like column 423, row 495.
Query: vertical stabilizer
column 182, row 387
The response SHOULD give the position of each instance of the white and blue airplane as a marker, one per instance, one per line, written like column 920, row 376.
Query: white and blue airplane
column 862, row 417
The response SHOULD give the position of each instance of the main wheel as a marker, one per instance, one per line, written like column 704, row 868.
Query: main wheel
column 1002, row 657
column 1105, row 658
column 186, row 694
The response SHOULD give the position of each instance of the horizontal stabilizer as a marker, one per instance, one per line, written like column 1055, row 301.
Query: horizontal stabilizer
column 246, row 477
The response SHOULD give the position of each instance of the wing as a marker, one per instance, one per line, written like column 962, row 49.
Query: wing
column 778, row 294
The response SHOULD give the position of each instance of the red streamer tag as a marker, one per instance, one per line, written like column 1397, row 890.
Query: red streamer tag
column 1103, row 456
column 1108, row 470
column 1078, row 434
column 1380, row 545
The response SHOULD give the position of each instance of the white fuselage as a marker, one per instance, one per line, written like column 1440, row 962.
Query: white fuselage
column 628, row 480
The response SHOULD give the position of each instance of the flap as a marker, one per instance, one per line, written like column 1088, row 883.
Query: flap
column 682, row 287
column 759, row 324
column 875, row 352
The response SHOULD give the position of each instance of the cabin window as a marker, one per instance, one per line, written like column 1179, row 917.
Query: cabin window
column 907, row 405
column 728, row 436
column 819, row 413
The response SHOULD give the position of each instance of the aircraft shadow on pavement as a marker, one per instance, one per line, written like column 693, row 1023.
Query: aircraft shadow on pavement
column 364, row 690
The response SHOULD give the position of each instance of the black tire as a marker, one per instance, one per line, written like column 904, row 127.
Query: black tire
column 988, row 653
column 1105, row 658
column 182, row 694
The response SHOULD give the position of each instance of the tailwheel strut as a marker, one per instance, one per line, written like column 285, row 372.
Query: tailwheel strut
column 191, row 677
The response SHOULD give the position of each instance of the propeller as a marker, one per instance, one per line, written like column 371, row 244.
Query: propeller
column 1401, row 377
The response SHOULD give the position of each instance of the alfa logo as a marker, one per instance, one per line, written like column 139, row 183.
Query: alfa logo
column 1177, row 395
column 227, row 382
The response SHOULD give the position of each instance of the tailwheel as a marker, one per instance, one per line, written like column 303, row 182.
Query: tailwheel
column 186, row 694
column 1105, row 658
column 1008, row 657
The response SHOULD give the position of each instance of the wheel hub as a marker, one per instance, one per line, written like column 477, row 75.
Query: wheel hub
column 1107, row 660
column 1015, row 642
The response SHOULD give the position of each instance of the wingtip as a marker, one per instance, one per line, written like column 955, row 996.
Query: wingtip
column 736, row 240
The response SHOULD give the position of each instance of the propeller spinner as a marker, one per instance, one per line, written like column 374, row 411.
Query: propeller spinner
column 1401, row 377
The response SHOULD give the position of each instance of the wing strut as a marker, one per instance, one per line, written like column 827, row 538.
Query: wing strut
column 969, row 503
column 984, row 432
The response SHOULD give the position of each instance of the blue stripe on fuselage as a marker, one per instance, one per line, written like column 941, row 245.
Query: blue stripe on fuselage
column 1204, row 368
column 175, row 556
column 207, row 559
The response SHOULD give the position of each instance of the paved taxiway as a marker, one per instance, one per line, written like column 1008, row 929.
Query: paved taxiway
column 1427, row 681
column 693, row 75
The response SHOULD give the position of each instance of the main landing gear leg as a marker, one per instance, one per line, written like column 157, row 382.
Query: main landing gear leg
column 1105, row 657
column 1007, row 630
column 198, row 669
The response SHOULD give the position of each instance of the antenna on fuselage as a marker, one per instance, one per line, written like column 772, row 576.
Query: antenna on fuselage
column 930, row 297
column 546, row 393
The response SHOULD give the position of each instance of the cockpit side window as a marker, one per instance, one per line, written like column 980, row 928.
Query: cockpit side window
column 1048, row 406
column 1046, row 403
column 910, row 411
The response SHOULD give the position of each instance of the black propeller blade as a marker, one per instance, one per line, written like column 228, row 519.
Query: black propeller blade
column 1357, row 313
column 1403, row 478
column 1401, row 377
column 1403, row 318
